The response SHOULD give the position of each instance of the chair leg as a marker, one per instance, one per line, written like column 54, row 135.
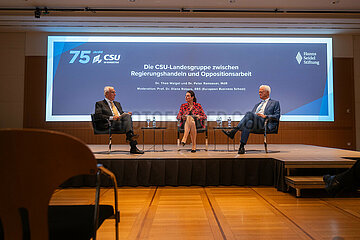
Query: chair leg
column 206, row 140
column 117, row 212
column 265, row 143
column 178, row 140
column 266, row 150
column 110, row 137
column 97, row 200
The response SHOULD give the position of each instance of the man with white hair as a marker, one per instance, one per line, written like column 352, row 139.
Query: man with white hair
column 255, row 120
column 108, row 109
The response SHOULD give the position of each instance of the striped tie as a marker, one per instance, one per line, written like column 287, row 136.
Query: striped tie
column 260, row 106
column 115, row 111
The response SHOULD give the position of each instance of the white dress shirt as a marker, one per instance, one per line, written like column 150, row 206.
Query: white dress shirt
column 262, row 108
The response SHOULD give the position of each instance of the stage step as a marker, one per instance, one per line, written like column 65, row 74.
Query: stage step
column 304, row 182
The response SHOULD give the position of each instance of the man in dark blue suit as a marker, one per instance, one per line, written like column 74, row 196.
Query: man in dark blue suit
column 254, row 121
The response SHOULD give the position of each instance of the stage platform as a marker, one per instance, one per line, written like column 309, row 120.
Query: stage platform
column 283, row 152
column 211, row 168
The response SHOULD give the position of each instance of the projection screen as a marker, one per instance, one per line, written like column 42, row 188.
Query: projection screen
column 152, row 74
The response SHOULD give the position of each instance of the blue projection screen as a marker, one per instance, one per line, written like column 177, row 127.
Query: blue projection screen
column 152, row 74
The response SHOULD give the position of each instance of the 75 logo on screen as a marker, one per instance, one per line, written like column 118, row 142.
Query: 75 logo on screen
column 84, row 57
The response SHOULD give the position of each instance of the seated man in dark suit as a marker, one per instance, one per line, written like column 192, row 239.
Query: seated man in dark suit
column 255, row 120
column 108, row 109
column 349, row 179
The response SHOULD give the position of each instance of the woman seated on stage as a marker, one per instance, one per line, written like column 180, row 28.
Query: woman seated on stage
column 191, row 116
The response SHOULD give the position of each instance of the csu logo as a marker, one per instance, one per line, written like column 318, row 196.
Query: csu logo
column 112, row 57
column 97, row 59
column 85, row 57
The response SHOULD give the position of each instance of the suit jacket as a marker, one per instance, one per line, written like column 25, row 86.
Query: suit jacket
column 103, row 113
column 272, row 111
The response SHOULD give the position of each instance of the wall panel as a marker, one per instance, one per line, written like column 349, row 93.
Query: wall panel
column 12, row 48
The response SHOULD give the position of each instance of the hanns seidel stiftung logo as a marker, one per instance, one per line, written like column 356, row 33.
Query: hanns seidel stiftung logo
column 307, row 58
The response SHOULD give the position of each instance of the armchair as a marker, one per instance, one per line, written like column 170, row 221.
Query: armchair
column 266, row 131
column 97, row 130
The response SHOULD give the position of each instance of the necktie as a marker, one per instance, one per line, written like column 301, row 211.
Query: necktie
column 115, row 111
column 260, row 106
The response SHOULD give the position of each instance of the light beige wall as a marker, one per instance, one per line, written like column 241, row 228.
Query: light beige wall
column 343, row 46
column 12, row 68
column 357, row 88
column 36, row 44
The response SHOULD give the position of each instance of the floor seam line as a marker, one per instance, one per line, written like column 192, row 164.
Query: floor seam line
column 338, row 208
column 283, row 214
column 216, row 218
column 146, row 214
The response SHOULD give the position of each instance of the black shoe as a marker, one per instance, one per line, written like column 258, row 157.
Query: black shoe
column 135, row 150
column 193, row 150
column 241, row 149
column 230, row 134
column 332, row 185
column 183, row 143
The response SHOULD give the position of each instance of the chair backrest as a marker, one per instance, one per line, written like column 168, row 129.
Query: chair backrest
column 96, row 129
column 104, row 123
column 273, row 131
column 33, row 163
column 93, row 121
column 204, row 129
column 276, row 129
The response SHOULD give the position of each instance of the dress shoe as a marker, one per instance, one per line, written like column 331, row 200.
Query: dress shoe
column 193, row 150
column 332, row 185
column 230, row 134
column 135, row 150
column 241, row 149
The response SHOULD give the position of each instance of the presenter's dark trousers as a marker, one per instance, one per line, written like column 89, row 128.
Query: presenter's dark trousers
column 351, row 177
column 250, row 122
column 124, row 125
